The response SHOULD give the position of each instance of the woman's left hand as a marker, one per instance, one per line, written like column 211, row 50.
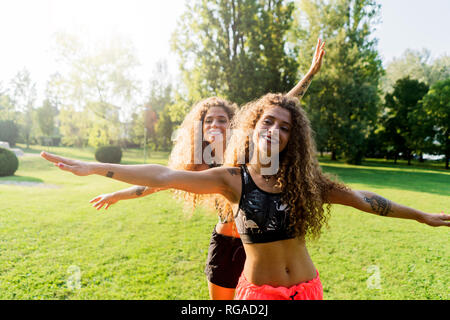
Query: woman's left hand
column 104, row 199
column 77, row 167
column 317, row 58
column 436, row 220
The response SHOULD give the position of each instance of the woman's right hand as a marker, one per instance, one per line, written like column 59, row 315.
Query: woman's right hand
column 318, row 57
column 104, row 199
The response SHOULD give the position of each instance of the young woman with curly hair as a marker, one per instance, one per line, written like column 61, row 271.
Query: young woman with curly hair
column 274, row 213
column 207, row 124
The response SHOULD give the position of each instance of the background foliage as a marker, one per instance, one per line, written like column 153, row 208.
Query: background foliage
column 240, row 50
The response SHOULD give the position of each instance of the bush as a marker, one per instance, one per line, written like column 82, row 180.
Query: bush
column 8, row 162
column 108, row 154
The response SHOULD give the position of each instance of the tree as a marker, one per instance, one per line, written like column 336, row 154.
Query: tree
column 417, row 65
column 74, row 126
column 144, row 120
column 23, row 98
column 236, row 49
column 46, row 119
column 160, row 87
column 437, row 105
column 7, row 109
column 405, row 121
column 9, row 132
column 106, row 124
column 100, row 82
column 160, row 96
column 343, row 100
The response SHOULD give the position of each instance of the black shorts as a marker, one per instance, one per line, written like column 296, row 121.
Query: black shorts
column 226, row 258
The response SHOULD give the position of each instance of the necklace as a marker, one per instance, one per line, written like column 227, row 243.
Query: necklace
column 265, row 177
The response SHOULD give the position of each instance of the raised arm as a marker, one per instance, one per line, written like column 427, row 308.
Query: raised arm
column 373, row 203
column 300, row 89
column 151, row 175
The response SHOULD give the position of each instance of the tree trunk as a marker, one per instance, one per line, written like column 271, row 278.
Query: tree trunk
column 333, row 155
column 447, row 151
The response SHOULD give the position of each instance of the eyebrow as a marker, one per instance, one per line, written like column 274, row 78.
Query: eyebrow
column 270, row 116
column 216, row 116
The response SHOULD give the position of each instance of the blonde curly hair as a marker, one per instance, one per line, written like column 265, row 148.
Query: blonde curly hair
column 304, row 186
column 182, row 156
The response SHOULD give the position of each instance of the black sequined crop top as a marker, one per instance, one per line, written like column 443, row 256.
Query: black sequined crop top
column 262, row 216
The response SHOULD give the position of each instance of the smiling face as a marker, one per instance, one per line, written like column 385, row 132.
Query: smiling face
column 273, row 129
column 215, row 124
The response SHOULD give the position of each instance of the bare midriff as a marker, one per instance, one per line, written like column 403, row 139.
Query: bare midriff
column 280, row 263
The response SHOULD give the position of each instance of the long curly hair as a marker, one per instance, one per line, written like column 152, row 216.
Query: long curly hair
column 182, row 156
column 304, row 186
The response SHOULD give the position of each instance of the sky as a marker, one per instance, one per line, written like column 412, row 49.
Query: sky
column 27, row 26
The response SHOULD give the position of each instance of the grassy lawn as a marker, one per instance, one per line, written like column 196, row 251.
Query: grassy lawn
column 54, row 245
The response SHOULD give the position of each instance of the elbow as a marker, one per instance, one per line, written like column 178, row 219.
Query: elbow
column 160, row 181
column 159, row 178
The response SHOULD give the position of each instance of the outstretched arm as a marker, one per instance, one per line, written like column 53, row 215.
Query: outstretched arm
column 109, row 199
column 151, row 175
column 300, row 89
column 373, row 203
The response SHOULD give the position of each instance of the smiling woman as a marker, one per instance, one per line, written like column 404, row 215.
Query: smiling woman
column 275, row 218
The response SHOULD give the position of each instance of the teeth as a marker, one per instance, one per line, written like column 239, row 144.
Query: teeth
column 269, row 139
column 214, row 132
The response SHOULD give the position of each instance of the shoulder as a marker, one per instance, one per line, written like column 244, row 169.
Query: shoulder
column 227, row 173
column 233, row 171
column 232, row 180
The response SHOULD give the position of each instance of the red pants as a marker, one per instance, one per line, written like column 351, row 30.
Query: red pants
column 310, row 290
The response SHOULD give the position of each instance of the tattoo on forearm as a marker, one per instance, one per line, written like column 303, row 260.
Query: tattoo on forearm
column 304, row 86
column 233, row 171
column 140, row 191
column 379, row 205
column 307, row 82
column 110, row 174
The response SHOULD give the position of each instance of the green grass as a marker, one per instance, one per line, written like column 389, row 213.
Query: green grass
column 149, row 249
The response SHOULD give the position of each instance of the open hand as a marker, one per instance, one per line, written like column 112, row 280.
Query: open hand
column 436, row 220
column 104, row 199
column 77, row 167
column 317, row 58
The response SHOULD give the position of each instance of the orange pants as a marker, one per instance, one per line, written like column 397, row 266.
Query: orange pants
column 310, row 290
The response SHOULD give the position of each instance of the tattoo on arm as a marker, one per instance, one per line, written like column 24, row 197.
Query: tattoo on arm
column 140, row 191
column 233, row 171
column 379, row 205
column 304, row 86
column 110, row 174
